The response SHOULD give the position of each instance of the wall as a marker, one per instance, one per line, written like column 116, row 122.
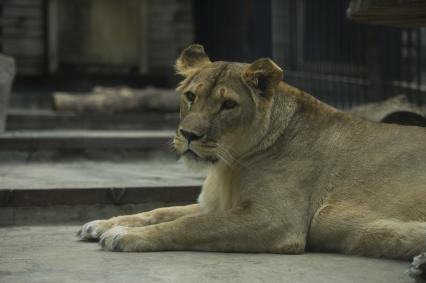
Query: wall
column 96, row 36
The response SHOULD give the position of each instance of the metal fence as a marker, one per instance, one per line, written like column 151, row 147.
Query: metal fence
column 346, row 63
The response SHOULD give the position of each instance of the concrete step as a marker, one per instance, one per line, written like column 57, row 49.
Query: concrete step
column 33, row 140
column 98, row 195
column 55, row 188
column 39, row 119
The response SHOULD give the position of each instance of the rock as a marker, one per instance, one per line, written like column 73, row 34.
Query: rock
column 7, row 73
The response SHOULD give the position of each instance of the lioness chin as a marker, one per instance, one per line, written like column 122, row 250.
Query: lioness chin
column 287, row 173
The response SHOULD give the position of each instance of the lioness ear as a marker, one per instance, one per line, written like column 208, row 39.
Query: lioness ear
column 191, row 59
column 264, row 75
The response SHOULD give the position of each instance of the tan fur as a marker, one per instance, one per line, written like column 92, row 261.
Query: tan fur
column 287, row 173
column 218, row 193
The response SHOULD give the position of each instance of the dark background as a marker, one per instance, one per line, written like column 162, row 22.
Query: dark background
column 70, row 46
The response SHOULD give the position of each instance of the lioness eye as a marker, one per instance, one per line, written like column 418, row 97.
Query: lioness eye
column 229, row 104
column 190, row 96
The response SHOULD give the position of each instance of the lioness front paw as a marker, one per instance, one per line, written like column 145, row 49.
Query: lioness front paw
column 129, row 239
column 111, row 238
column 94, row 229
column 417, row 268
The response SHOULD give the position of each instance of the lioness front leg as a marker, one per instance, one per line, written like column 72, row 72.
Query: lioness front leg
column 94, row 229
column 231, row 231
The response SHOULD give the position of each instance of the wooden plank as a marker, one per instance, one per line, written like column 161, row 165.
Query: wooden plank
column 23, row 46
column 398, row 13
column 30, row 12
column 29, row 23
column 22, row 31
column 25, row 3
column 52, row 36
column 144, row 37
column 7, row 74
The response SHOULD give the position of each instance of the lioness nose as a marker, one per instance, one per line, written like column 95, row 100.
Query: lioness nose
column 190, row 136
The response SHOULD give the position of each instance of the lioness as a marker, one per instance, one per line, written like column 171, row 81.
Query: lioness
column 287, row 173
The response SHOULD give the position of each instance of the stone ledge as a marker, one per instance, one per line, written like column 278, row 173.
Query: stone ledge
column 85, row 196
column 79, row 139
column 72, row 214
column 30, row 119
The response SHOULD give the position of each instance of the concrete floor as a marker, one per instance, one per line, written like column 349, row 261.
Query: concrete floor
column 53, row 254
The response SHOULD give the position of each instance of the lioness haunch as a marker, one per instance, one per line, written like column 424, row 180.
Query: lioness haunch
column 287, row 173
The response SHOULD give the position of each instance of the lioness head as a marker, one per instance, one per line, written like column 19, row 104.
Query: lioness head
column 225, row 106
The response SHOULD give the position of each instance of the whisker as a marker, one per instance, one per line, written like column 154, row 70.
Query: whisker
column 216, row 148
column 171, row 143
column 223, row 158
column 224, row 151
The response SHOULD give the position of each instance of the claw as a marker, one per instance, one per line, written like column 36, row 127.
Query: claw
column 115, row 243
column 102, row 242
column 110, row 239
column 90, row 230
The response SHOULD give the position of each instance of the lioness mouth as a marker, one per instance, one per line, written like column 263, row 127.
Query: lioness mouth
column 195, row 156
column 192, row 154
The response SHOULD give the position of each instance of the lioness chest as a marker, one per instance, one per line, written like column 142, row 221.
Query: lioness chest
column 219, row 189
